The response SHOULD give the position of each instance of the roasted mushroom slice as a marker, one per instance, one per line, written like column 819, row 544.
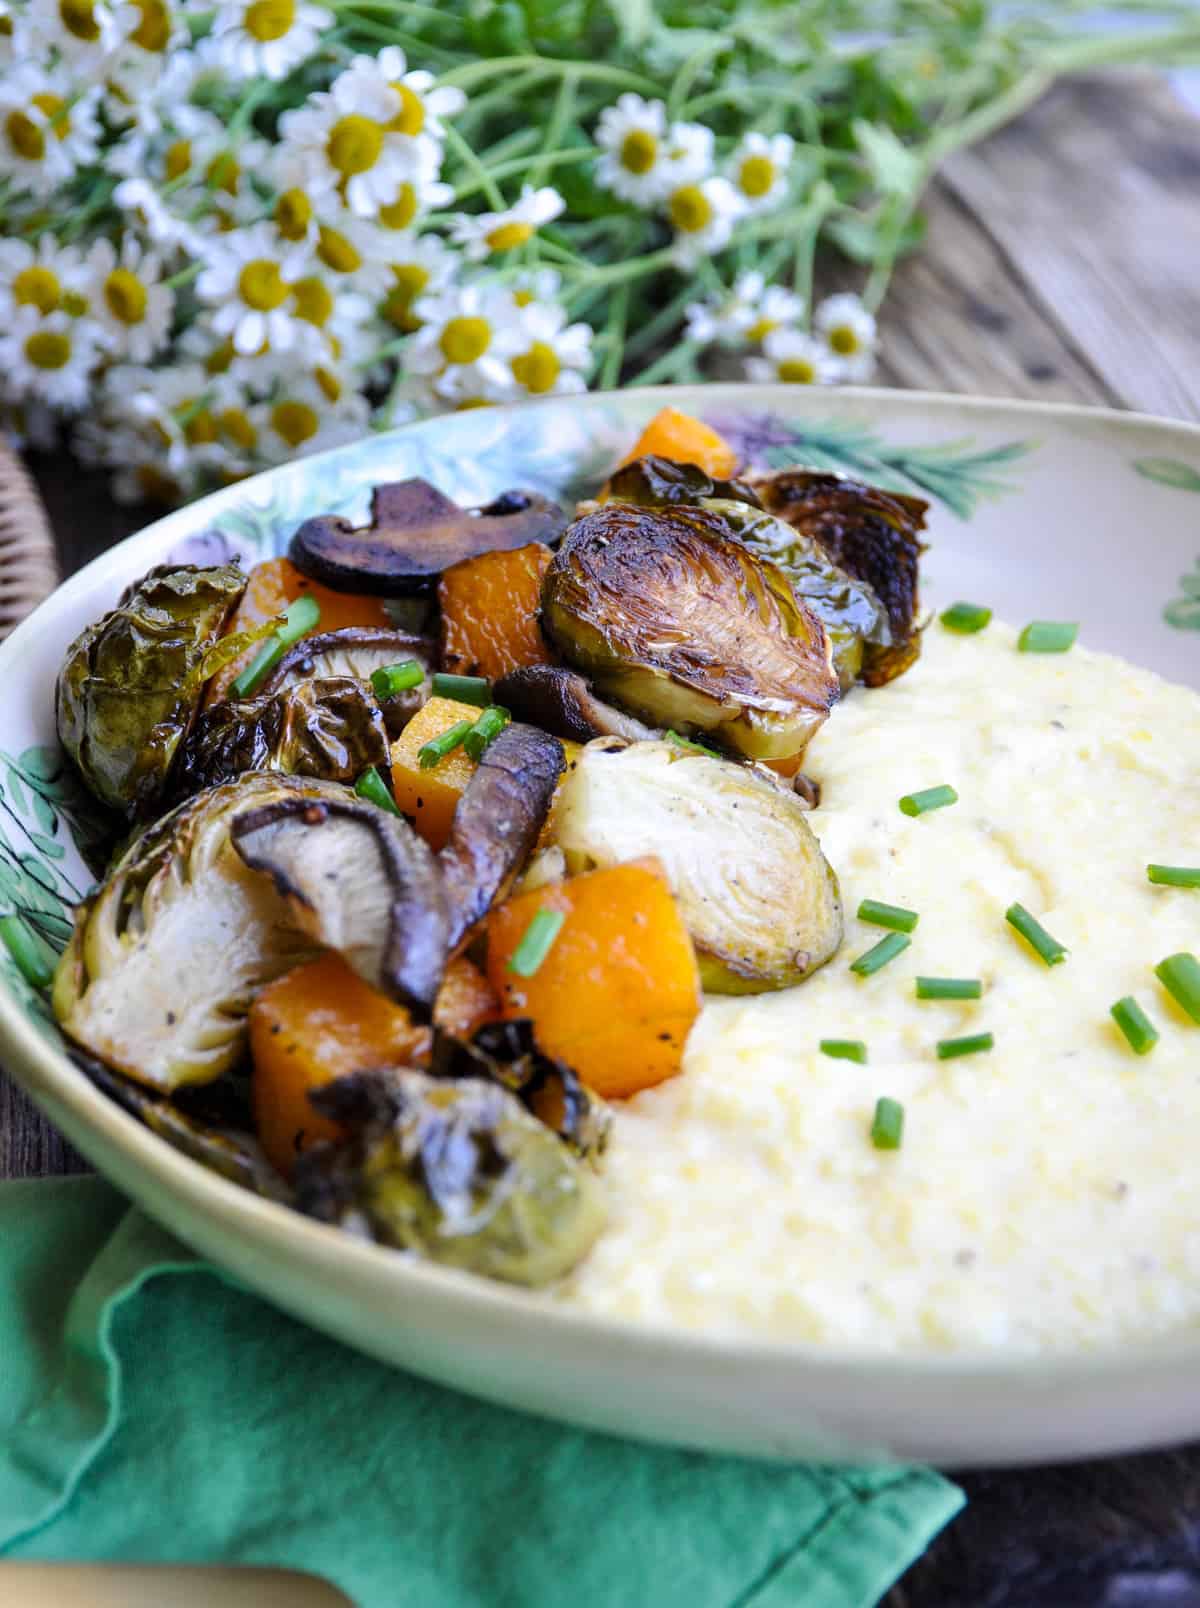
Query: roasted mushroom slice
column 497, row 822
column 359, row 651
column 758, row 896
column 132, row 681
column 457, row 1171
column 168, row 953
column 680, row 623
column 561, row 701
column 415, row 533
column 873, row 535
column 358, row 881
column 331, row 729
column 653, row 482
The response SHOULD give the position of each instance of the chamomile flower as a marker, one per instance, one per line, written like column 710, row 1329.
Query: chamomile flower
column 303, row 418
column 633, row 137
column 702, row 213
column 687, row 153
column 142, row 205
column 47, row 276
column 758, row 169
column 467, row 336
column 44, row 134
column 131, row 305
column 266, row 38
column 80, row 30
column 152, row 73
column 535, row 284
column 422, row 192
column 494, row 232
column 247, row 280
column 795, row 358
column 353, row 249
column 422, row 106
column 747, row 312
column 557, row 354
column 420, row 265
column 850, row 333
column 49, row 357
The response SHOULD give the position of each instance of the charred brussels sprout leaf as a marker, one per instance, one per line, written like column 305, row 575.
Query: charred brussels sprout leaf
column 128, row 690
column 656, row 482
column 457, row 1171
column 680, row 623
column 874, row 536
column 330, row 729
column 758, row 896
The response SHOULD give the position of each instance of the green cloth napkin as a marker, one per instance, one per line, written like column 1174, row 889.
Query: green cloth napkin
column 151, row 1411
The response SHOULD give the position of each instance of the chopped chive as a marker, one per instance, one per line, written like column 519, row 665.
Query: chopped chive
column 536, row 942
column 32, row 957
column 463, row 689
column 392, row 679
column 966, row 618
column 485, row 730
column 887, row 1125
column 435, row 750
column 1035, row 935
column 299, row 619
column 1140, row 1032
column 873, row 960
column 372, row 787
column 933, row 798
column 686, row 742
column 1174, row 876
column 886, row 915
column 1180, row 976
column 1047, row 636
column 973, row 1044
column 845, row 1050
column 949, row 988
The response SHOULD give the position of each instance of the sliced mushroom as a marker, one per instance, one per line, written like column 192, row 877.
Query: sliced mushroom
column 415, row 533
column 358, row 881
column 497, row 822
column 561, row 701
column 358, row 651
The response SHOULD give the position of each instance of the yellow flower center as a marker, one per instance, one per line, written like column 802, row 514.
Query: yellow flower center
column 760, row 330
column 508, row 235
column 74, row 304
column 336, row 252
column 410, row 119
column 690, row 209
column 468, row 403
column 537, row 369
column 465, row 339
column 411, row 278
column 156, row 486
column 37, row 287
column 6, row 27
column 25, row 137
column 294, row 422
column 235, row 424
column 223, row 173
column 54, row 109
column 797, row 371
column 354, row 145
column 261, row 286
column 313, row 301
column 201, row 428
column 756, row 176
column 220, row 359
column 844, row 340
column 47, row 350
column 79, row 18
column 639, row 151
column 269, row 19
column 401, row 212
column 178, row 159
column 153, row 32
column 522, row 297
column 126, row 296
column 329, row 382
column 293, row 214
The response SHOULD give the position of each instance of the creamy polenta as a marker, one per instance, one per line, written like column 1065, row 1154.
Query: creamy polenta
column 1045, row 1195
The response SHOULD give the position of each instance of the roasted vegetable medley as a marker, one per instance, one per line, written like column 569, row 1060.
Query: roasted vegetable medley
column 438, row 828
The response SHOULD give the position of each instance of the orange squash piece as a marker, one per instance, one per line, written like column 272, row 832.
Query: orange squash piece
column 490, row 607
column 430, row 797
column 684, row 439
column 272, row 585
column 618, row 991
column 320, row 1021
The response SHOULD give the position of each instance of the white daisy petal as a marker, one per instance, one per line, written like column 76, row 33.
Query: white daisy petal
column 486, row 233
column 633, row 138
column 703, row 213
column 759, row 169
column 850, row 334
column 795, row 358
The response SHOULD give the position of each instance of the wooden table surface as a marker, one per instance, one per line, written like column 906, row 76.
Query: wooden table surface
column 1062, row 262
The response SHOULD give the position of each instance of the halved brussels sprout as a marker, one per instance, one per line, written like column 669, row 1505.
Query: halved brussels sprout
column 758, row 896
column 680, row 623
column 874, row 536
column 358, row 651
column 330, row 729
column 454, row 1170
column 654, row 482
column 130, row 685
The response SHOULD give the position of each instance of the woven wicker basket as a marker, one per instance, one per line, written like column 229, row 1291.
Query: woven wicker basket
column 28, row 562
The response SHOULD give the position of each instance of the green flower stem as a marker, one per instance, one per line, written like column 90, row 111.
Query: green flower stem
column 389, row 8
column 184, row 276
column 614, row 335
column 658, row 327
column 522, row 164
column 672, row 365
column 560, row 120
column 478, row 72
column 471, row 162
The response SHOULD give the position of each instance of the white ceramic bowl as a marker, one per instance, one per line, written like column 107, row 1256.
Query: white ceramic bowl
column 1095, row 515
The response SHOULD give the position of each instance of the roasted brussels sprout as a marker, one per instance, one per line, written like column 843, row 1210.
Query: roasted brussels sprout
column 874, row 536
column 656, row 482
column 168, row 952
column 358, row 651
column 132, row 681
column 415, row 533
column 455, row 1171
column 561, row 701
column 331, row 729
column 359, row 881
column 758, row 896
column 680, row 623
